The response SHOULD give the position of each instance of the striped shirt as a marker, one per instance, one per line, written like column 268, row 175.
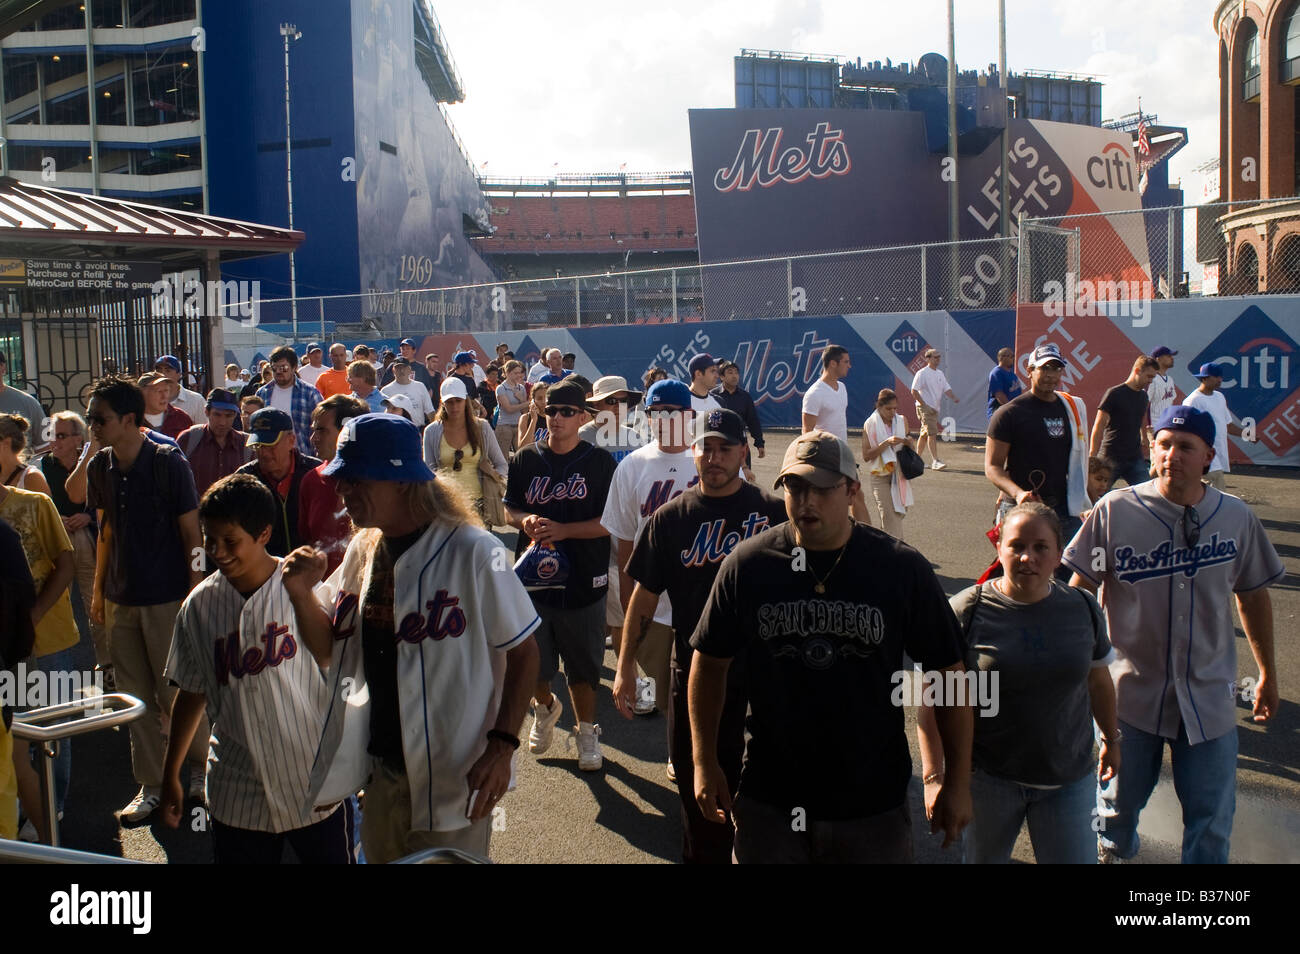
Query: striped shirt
column 266, row 701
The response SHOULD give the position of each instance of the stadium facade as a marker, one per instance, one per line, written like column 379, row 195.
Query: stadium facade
column 187, row 110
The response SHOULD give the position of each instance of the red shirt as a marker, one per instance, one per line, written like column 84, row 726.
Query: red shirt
column 174, row 421
column 322, row 518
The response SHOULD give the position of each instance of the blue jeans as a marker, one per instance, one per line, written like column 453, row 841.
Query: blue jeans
column 1205, row 780
column 1132, row 472
column 1060, row 821
column 62, row 661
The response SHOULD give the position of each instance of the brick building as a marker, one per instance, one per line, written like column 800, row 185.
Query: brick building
column 1259, row 143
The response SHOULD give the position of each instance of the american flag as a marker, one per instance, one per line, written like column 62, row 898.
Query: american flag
column 1144, row 144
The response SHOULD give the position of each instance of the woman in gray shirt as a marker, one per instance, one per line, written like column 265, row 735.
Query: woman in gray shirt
column 1040, row 653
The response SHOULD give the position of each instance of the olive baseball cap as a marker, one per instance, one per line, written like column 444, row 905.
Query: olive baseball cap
column 820, row 458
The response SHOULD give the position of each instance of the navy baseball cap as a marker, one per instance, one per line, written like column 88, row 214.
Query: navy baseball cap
column 667, row 393
column 220, row 399
column 267, row 425
column 407, row 343
column 1162, row 351
column 1182, row 417
column 379, row 447
column 701, row 362
column 722, row 423
column 464, row 357
column 170, row 360
column 1209, row 370
column 566, row 392
column 314, row 346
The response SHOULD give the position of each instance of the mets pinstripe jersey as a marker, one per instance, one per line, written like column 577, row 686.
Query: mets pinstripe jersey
column 266, row 700
column 458, row 608
column 1167, row 575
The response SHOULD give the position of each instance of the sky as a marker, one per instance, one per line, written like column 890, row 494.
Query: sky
column 594, row 85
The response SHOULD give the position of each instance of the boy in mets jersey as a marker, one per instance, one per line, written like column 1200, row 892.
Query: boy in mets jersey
column 237, row 652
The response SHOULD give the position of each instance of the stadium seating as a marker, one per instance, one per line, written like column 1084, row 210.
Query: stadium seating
column 610, row 224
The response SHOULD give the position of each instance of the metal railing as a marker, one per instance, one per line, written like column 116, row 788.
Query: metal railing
column 33, row 726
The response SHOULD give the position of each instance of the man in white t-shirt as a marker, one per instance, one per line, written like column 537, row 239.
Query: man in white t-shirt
column 825, row 407
column 645, row 480
column 314, row 367
column 1209, row 398
column 928, row 388
column 1162, row 393
column 405, row 383
column 704, row 378
column 540, row 369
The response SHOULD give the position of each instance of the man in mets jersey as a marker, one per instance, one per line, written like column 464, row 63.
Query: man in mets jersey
column 1167, row 555
column 430, row 651
column 238, row 652
column 678, row 552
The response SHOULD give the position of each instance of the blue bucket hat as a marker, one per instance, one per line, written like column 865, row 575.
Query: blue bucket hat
column 379, row 447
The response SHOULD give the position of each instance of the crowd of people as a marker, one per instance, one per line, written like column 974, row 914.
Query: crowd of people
column 298, row 575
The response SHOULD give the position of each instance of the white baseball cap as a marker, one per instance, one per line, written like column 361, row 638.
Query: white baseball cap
column 453, row 388
column 402, row 402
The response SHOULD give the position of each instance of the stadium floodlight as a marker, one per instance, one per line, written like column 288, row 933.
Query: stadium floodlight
column 290, row 32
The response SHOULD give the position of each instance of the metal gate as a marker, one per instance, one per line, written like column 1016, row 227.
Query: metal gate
column 59, row 344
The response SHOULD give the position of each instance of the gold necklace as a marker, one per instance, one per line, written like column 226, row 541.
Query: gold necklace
column 820, row 586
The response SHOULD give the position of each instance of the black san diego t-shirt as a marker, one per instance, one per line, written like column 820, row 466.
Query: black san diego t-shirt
column 1122, row 441
column 683, row 544
column 824, row 732
column 569, row 488
column 1040, row 434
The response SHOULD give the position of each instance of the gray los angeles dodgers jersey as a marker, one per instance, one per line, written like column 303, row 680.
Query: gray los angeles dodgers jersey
column 1169, row 605
column 266, row 700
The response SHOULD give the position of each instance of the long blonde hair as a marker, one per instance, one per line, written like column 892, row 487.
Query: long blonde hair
column 431, row 501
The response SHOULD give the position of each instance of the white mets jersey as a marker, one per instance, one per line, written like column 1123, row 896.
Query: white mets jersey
column 266, row 700
column 458, row 608
column 1162, row 394
column 1167, row 575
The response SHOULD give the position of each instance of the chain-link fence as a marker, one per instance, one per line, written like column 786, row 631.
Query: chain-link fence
column 1227, row 248
column 1241, row 248
column 973, row 274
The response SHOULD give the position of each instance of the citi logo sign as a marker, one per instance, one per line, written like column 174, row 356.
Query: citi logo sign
column 1113, row 169
column 761, row 161
column 906, row 342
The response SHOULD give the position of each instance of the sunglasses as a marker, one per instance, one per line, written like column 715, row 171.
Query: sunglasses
column 612, row 402
column 662, row 410
column 456, row 459
column 64, row 436
column 1191, row 526
column 562, row 411
column 96, row 419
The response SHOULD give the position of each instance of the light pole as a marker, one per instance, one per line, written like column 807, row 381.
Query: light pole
column 290, row 32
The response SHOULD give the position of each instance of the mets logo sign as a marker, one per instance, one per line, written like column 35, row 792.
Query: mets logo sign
column 1259, row 379
column 761, row 161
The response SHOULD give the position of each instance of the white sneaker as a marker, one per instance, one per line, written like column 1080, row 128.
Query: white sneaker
column 589, row 758
column 672, row 773
column 543, row 730
column 28, row 833
column 939, row 465
column 196, row 792
column 141, row 807
column 645, row 696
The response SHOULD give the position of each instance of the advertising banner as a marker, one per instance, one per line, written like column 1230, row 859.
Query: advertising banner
column 1255, row 339
column 780, row 359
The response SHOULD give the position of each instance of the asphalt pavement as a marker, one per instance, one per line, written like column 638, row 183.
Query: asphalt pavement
column 629, row 811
